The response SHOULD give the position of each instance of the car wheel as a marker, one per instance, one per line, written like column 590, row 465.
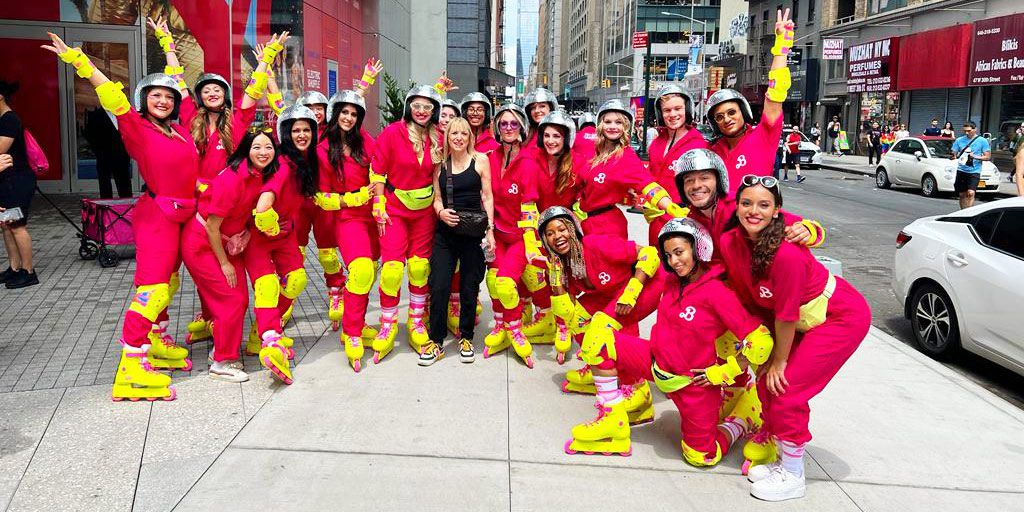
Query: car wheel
column 928, row 186
column 882, row 178
column 936, row 330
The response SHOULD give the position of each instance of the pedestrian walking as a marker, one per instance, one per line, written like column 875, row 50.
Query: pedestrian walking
column 815, row 133
column 874, row 144
column 969, row 150
column 792, row 150
column 832, row 135
column 17, row 186
column 933, row 130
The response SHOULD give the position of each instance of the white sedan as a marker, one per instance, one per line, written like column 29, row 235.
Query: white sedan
column 960, row 278
column 810, row 153
column 924, row 162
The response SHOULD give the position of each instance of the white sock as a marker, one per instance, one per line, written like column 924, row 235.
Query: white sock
column 733, row 429
column 608, row 392
column 792, row 456
column 417, row 301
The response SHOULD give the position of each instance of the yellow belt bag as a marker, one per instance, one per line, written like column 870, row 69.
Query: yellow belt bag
column 812, row 314
column 668, row 382
column 416, row 199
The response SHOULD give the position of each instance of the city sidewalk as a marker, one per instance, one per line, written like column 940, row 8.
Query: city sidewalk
column 856, row 164
column 894, row 430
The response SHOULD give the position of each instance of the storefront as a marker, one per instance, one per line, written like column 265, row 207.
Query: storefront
column 872, row 73
column 326, row 52
column 933, row 77
column 997, row 66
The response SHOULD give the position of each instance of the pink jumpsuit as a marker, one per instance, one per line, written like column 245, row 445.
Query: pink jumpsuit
column 355, row 226
column 794, row 278
column 754, row 153
column 277, row 255
column 724, row 212
column 312, row 216
column 683, row 338
column 604, row 186
column 168, row 166
column 485, row 142
column 585, row 142
column 512, row 186
column 411, row 232
column 660, row 169
column 547, row 188
column 214, row 157
column 231, row 196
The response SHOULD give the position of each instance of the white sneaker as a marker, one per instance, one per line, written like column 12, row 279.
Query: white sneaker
column 228, row 371
column 779, row 485
column 761, row 471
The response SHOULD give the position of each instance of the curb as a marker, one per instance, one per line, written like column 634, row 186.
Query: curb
column 847, row 170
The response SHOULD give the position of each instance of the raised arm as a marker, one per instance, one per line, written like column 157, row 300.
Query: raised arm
column 372, row 68
column 173, row 68
column 258, row 82
column 778, row 76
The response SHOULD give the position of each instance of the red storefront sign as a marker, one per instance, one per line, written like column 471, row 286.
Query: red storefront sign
column 639, row 39
column 935, row 59
column 998, row 51
column 873, row 66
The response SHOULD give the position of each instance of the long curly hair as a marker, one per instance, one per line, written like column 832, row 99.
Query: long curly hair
column 767, row 244
column 307, row 177
column 573, row 261
column 200, row 128
column 607, row 149
column 338, row 139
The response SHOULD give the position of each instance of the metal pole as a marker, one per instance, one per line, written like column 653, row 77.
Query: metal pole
column 647, row 94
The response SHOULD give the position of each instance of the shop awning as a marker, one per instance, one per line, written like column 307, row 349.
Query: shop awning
column 935, row 59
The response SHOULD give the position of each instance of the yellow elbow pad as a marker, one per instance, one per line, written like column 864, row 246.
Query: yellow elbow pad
column 327, row 201
column 647, row 261
column 726, row 373
column 112, row 98
column 757, row 345
column 357, row 198
column 778, row 84
column 266, row 222
column 377, row 178
column 653, row 194
column 528, row 216
column 257, row 84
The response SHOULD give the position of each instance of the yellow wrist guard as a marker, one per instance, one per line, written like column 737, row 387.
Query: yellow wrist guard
column 270, row 52
column 327, row 201
column 174, row 70
column 647, row 260
column 83, row 66
column 112, row 98
column 379, row 209
column 580, row 214
column 357, row 198
column 266, row 222
column 725, row 373
column 631, row 292
column 528, row 216
column 652, row 213
column 778, row 84
column 757, row 345
column 531, row 244
column 378, row 178
column 257, row 84
column 276, row 101
column 676, row 211
column 783, row 40
column 165, row 40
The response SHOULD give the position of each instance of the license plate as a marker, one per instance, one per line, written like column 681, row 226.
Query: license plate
column 981, row 184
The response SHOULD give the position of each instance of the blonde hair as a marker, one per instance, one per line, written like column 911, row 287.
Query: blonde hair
column 445, row 148
column 607, row 149
column 418, row 137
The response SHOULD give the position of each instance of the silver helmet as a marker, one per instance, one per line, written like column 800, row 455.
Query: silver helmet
column 520, row 115
column 703, row 246
column 540, row 95
column 294, row 113
column 311, row 98
column 557, row 118
column 426, row 92
column 700, row 159
column 725, row 95
column 615, row 105
column 212, row 78
column 157, row 80
column 478, row 97
column 350, row 97
column 451, row 103
column 585, row 119
column 556, row 212
column 667, row 90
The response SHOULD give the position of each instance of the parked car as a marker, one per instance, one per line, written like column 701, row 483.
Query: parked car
column 810, row 153
column 960, row 278
column 924, row 162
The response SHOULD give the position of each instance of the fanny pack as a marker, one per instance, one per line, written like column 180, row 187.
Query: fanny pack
column 415, row 199
column 176, row 210
column 812, row 314
column 234, row 244
column 668, row 382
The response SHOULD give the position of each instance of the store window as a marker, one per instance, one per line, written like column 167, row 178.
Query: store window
column 1008, row 135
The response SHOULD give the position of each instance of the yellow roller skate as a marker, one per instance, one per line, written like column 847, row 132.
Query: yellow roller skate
column 418, row 335
column 134, row 381
column 368, row 333
column 520, row 344
column 353, row 351
column 497, row 340
column 759, row 452
column 254, row 344
column 639, row 403
column 287, row 316
column 273, row 356
column 164, row 354
column 384, row 342
column 608, row 434
column 579, row 381
column 335, row 307
column 198, row 330
column 563, row 340
column 542, row 330
column 527, row 317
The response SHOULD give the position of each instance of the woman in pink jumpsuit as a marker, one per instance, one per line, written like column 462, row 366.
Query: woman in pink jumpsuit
column 673, row 111
column 402, row 174
column 345, row 175
column 819, row 320
column 514, row 173
column 613, row 174
column 168, row 163
column 215, row 239
column 696, row 309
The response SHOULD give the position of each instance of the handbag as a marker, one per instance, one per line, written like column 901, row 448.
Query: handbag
column 472, row 223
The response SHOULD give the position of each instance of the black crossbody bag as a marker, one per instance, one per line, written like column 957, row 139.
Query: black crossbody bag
column 471, row 223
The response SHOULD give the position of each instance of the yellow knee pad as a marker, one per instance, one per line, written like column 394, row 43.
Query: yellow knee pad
column 505, row 289
column 360, row 276
column 598, row 336
column 329, row 260
column 489, row 279
column 391, row 277
column 294, row 283
column 699, row 458
column 173, row 285
column 150, row 300
column 580, row 320
column 266, row 290
column 419, row 271
column 534, row 278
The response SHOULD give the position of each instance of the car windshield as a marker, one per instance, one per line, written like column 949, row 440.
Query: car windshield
column 940, row 148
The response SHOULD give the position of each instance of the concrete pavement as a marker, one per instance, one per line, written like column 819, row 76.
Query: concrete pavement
column 894, row 431
column 856, row 164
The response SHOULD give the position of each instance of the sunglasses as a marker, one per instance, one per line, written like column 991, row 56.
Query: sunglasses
column 422, row 107
column 257, row 129
column 767, row 181
column 719, row 117
column 475, row 110
column 509, row 125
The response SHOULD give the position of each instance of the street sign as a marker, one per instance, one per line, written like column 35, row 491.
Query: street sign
column 832, row 49
column 640, row 39
column 795, row 57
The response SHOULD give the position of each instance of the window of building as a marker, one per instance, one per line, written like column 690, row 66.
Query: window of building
column 879, row 6
column 811, row 5
column 795, row 11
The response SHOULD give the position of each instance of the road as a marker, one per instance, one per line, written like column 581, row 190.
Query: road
column 863, row 223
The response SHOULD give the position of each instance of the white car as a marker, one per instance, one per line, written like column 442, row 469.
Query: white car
column 810, row 153
column 924, row 162
column 960, row 278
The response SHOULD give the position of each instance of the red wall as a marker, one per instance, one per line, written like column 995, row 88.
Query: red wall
column 36, row 10
column 36, row 101
column 935, row 59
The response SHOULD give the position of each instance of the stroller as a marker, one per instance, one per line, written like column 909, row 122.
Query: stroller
column 105, row 223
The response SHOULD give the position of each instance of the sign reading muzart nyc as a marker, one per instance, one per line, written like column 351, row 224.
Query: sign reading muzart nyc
column 997, row 52
column 873, row 66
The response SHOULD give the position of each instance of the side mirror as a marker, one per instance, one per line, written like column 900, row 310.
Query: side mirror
column 919, row 155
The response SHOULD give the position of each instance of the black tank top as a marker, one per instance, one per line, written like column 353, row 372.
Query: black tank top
column 465, row 188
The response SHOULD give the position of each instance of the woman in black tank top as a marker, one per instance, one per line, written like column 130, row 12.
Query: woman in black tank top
column 471, row 191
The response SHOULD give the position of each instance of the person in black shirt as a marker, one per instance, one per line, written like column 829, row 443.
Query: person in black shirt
column 934, row 129
column 874, row 138
column 17, row 186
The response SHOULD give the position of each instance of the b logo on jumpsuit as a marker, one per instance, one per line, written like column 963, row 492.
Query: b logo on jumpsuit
column 688, row 313
column 514, row 189
column 741, row 161
column 604, row 277
column 600, row 178
column 765, row 293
